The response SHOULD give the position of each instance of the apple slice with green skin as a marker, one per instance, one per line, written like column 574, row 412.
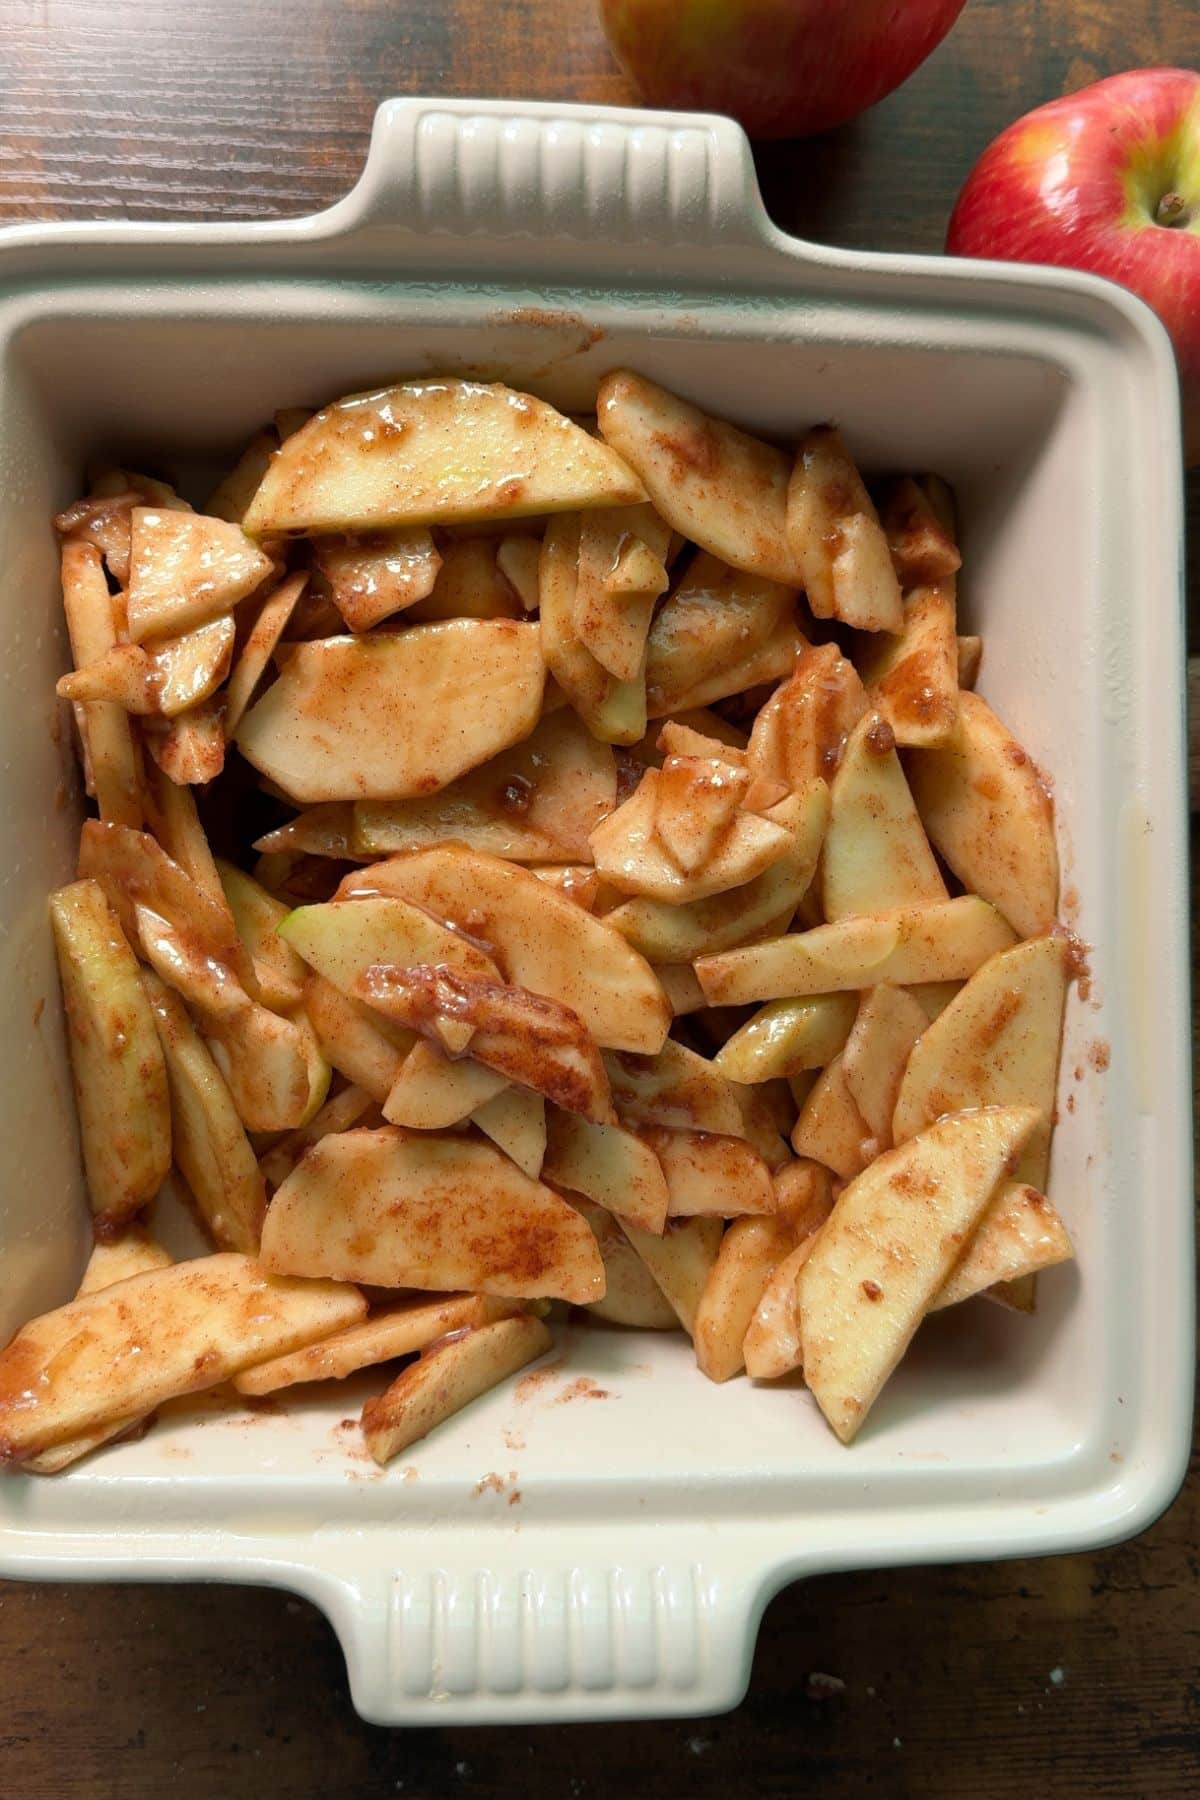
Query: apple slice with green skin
column 989, row 815
column 887, row 1248
column 373, row 577
column 613, row 710
column 185, row 569
column 677, row 1088
column 709, row 1175
column 395, row 715
column 360, row 1045
column 679, row 934
column 996, row 1044
column 122, row 1352
column 515, row 1120
column 632, row 1296
column 835, row 536
column 210, row 1145
column 914, row 677
column 116, row 1064
column 394, row 1331
column 787, row 1036
column 631, row 856
column 609, row 1165
column 716, row 485
column 876, row 856
column 830, row 1129
column 933, row 997
column 888, row 1024
column 341, row 941
column 680, row 1260
column 750, row 1250
column 716, row 623
column 944, row 942
column 164, row 680
column 406, row 1209
column 1019, row 1235
column 799, row 732
column 540, row 940
column 430, row 1092
column 446, row 1378
column 259, row 647
column 431, row 453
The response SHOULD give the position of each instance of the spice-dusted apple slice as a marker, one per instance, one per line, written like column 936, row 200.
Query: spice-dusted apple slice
column 750, row 1250
column 888, row 1024
column 260, row 645
column 799, row 733
column 830, row 1129
column 609, row 1165
column 446, row 1378
column 517, row 558
column 944, row 942
column 710, row 1174
column 258, row 915
column 526, row 1037
column 110, row 752
column 772, row 1344
column 990, row 816
column 786, row 1036
column 116, row 1064
column 134, row 869
column 382, row 573
column 406, row 1209
column 919, row 538
column 185, row 569
column 391, row 1332
column 680, row 1260
column 349, row 1107
column 470, row 585
column 889, row 1244
column 326, row 830
column 209, row 1142
column 539, row 939
column 677, row 1088
column 120, row 1353
column 835, row 536
column 574, row 881
column 676, row 934
column 433, row 452
column 1019, row 1235
column 631, row 1296
column 537, row 802
column 622, row 573
column 360, row 1045
column 515, row 1120
column 190, row 748
column 631, row 855
column 768, row 1115
column 970, row 656
column 913, row 677
column 341, row 940
column 996, row 1044
column 714, row 484
column 613, row 710
column 803, row 1195
column 710, row 636
column 388, row 716
column 430, row 1092
column 164, row 678
column 876, row 856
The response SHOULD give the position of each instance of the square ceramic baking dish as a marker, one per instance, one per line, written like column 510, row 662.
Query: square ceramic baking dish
column 610, row 1556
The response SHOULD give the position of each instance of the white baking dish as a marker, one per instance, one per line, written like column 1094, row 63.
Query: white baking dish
column 550, row 244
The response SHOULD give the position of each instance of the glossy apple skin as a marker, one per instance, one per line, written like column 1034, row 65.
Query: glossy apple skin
column 1077, row 183
column 784, row 68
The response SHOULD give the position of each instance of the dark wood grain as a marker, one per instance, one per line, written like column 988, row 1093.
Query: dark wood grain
column 195, row 109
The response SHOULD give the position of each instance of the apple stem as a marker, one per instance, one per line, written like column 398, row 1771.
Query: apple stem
column 1172, row 210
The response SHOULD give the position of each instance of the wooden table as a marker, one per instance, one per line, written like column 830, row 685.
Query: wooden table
column 1075, row 1676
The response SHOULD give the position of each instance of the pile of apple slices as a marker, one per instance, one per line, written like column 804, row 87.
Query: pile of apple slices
column 647, row 918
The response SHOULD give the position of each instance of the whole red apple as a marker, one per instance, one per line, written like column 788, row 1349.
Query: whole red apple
column 1107, row 179
column 784, row 68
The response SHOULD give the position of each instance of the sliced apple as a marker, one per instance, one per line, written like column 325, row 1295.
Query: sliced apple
column 446, row 1378
column 913, row 677
column 990, row 816
column 888, row 1247
column 680, row 1260
column 573, row 881
column 772, row 1344
column 945, row 942
column 830, row 1129
column 190, row 749
column 210, row 1145
column 876, row 855
column 164, row 680
column 787, row 1036
column 768, row 1115
column 613, row 710
column 406, row 1209
column 327, row 830
column 351, row 1106
column 837, row 540
column 677, row 1088
column 528, row 1038
column 116, row 1064
column 402, row 713
column 233, row 494
column 260, row 646
column 709, row 1174
column 803, row 1195
column 257, row 914
column 716, row 485
column 631, row 1296
column 430, row 1092
column 922, row 546
column 609, row 1165
column 185, row 568
column 515, row 1120
column 354, row 1039
column 679, row 984
column 394, row 1331
column 888, row 1025
column 539, row 939
column 631, row 855
column 675, row 934
column 469, row 585
column 341, row 941
column 996, row 1044
column 131, row 1252
column 749, row 1251
column 431, row 452
column 621, row 575
column 1019, row 1235
column 719, row 632
column 120, row 1353
column 537, row 802
column 372, row 577
column 970, row 655
column 109, row 748
column 517, row 559
column 103, row 522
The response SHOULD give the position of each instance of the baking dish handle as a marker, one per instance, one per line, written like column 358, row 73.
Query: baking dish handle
column 557, row 174
column 502, row 1632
